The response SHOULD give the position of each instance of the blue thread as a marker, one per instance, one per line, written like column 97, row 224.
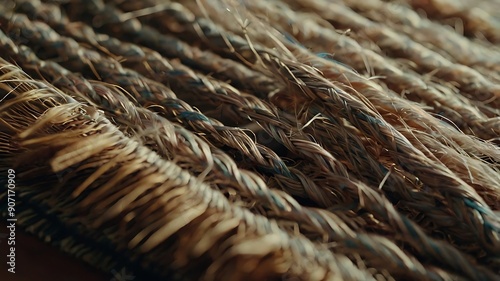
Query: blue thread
column 281, row 168
column 292, row 40
column 476, row 206
column 383, row 168
column 277, row 202
column 176, row 72
column 351, row 244
column 223, row 167
column 329, row 57
column 171, row 104
column 409, row 226
column 361, row 115
column 194, row 116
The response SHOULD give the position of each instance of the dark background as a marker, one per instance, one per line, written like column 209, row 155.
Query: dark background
column 36, row 260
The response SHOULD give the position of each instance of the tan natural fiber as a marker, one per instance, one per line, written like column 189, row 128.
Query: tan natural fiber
column 257, row 140
column 90, row 137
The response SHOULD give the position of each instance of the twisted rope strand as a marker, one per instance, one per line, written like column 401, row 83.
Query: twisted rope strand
column 174, row 178
column 388, row 247
column 336, row 137
column 126, row 110
column 461, row 112
column 476, row 22
column 433, row 35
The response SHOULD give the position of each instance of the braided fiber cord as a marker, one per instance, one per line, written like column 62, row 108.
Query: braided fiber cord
column 474, row 163
column 469, row 80
column 476, row 21
column 278, row 204
column 204, row 203
column 217, row 36
column 462, row 112
column 482, row 58
column 466, row 204
column 210, row 140
column 476, row 208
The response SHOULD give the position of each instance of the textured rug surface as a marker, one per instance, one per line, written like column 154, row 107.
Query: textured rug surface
column 256, row 140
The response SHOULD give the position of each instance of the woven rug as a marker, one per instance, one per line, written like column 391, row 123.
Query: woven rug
column 256, row 139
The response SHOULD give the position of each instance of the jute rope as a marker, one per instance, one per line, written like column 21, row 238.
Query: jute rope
column 230, row 140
